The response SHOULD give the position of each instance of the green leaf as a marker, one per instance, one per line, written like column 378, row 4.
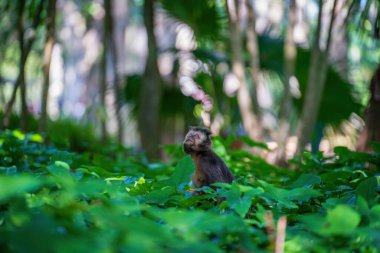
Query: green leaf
column 18, row 134
column 342, row 220
column 285, row 197
column 252, row 191
column 182, row 172
column 305, row 180
column 302, row 194
column 12, row 186
column 237, row 201
column 368, row 190
column 36, row 138
column 160, row 196
column 63, row 156
column 59, row 169
column 374, row 216
column 276, row 195
column 362, row 206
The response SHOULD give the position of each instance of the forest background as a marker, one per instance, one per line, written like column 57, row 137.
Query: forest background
column 292, row 74
column 96, row 97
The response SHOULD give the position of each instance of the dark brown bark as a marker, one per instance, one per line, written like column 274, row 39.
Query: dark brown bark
column 290, row 53
column 49, row 44
column 316, row 83
column 23, row 59
column 371, row 130
column 244, row 98
column 151, row 92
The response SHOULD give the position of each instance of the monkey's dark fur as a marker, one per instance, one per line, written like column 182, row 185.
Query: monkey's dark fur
column 209, row 167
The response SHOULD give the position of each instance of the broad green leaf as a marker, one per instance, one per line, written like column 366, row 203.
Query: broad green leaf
column 60, row 169
column 285, row 197
column 36, row 138
column 182, row 172
column 305, row 180
column 374, row 216
column 11, row 186
column 160, row 196
column 368, row 190
column 62, row 156
column 345, row 155
column 302, row 194
column 250, row 190
column 362, row 206
column 239, row 202
column 218, row 147
column 18, row 134
column 342, row 220
column 334, row 178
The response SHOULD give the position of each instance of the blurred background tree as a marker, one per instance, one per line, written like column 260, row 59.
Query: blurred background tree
column 294, row 74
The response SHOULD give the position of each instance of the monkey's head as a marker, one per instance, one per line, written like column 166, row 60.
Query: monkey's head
column 198, row 139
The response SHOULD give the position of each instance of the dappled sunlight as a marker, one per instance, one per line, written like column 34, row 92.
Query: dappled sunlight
column 189, row 126
column 135, row 46
column 231, row 84
column 56, row 85
column 185, row 40
column 166, row 63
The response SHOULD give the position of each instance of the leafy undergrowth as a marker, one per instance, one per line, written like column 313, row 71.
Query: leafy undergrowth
column 114, row 201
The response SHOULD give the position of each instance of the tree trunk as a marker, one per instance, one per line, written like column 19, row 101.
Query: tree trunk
column 371, row 130
column 254, row 60
column 315, row 84
column 49, row 44
column 117, row 89
column 250, row 121
column 20, row 30
column 290, row 53
column 23, row 58
column 151, row 92
column 104, row 66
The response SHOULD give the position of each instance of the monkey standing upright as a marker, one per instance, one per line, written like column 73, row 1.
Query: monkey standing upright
column 209, row 167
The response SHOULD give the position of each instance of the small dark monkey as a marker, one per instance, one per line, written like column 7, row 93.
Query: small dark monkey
column 209, row 167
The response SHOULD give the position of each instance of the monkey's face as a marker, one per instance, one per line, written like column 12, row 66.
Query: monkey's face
column 196, row 140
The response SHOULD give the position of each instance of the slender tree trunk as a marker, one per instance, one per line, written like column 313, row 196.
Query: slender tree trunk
column 371, row 130
column 26, row 51
column 151, row 92
column 20, row 29
column 9, row 106
column 316, row 83
column 49, row 44
column 249, row 119
column 290, row 53
column 254, row 60
column 117, row 89
column 104, row 66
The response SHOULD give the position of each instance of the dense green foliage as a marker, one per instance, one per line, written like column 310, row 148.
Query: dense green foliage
column 113, row 200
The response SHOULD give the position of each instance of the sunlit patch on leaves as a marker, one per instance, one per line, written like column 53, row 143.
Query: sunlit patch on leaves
column 124, row 203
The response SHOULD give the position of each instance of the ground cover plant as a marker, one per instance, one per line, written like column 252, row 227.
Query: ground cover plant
column 113, row 200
